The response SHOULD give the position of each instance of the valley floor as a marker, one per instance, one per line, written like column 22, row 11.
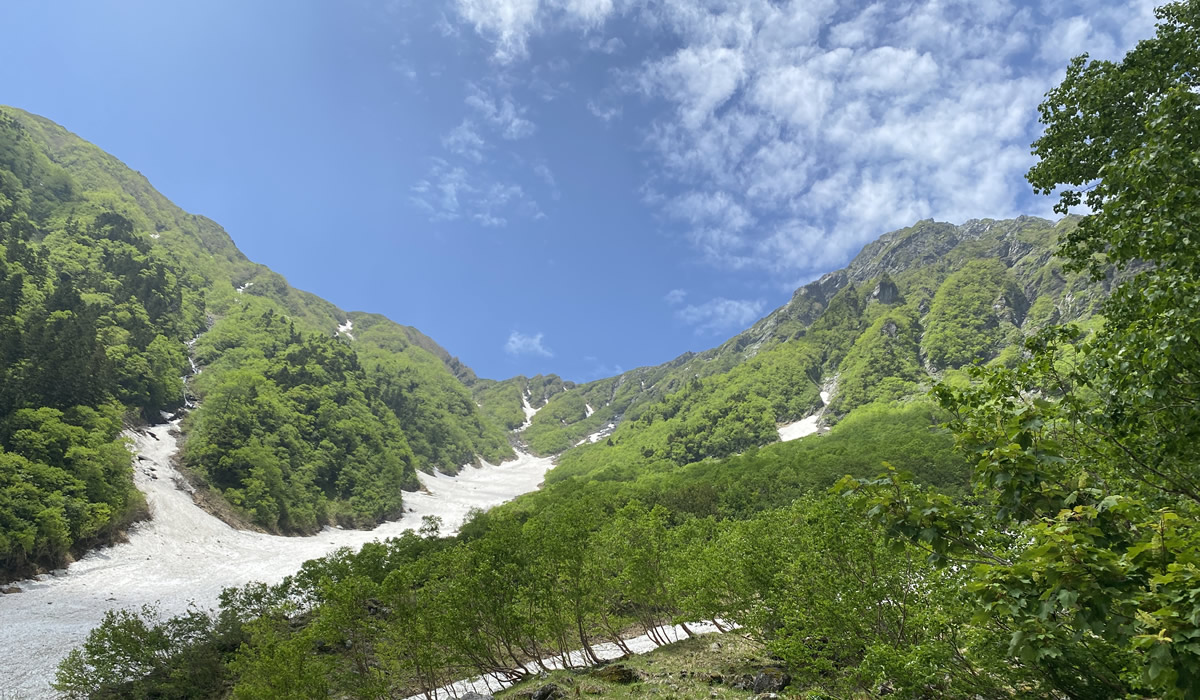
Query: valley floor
column 183, row 555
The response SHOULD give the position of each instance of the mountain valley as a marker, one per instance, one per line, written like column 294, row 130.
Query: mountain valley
column 961, row 466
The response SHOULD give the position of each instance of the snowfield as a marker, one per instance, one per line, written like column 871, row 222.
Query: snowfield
column 807, row 426
column 799, row 429
column 183, row 554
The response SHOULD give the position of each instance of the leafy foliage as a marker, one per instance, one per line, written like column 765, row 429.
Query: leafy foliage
column 444, row 428
column 1085, row 452
column 292, row 432
column 884, row 363
column 91, row 318
column 962, row 326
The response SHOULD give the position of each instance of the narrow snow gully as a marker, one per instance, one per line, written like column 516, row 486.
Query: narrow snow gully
column 530, row 412
column 183, row 554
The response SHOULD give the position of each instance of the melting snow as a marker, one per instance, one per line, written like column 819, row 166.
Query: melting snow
column 346, row 328
column 799, row 429
column 184, row 554
column 530, row 412
column 606, row 651
column 588, row 410
column 598, row 435
column 244, row 287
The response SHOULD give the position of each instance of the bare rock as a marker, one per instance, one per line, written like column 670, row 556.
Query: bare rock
column 767, row 680
column 617, row 673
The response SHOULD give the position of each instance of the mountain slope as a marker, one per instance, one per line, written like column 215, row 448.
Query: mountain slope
column 913, row 306
column 107, row 286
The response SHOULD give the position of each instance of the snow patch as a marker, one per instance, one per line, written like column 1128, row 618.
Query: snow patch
column 799, row 429
column 345, row 329
column 184, row 554
column 530, row 412
column 825, row 397
column 598, row 435
column 588, row 410
column 244, row 287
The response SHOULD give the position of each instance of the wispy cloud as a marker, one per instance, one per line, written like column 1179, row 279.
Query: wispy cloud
column 509, row 24
column 440, row 194
column 502, row 112
column 605, row 112
column 600, row 370
column 784, row 135
column 794, row 133
column 675, row 296
column 721, row 314
column 485, row 194
column 521, row 344
column 464, row 140
column 449, row 193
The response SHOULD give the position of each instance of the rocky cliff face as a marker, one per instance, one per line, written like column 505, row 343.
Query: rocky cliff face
column 928, row 250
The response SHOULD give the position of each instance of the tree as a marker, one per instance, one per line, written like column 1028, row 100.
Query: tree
column 1085, row 544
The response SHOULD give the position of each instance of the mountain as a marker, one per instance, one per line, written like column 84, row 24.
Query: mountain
column 912, row 307
column 1030, row 527
column 112, row 295
column 310, row 415
column 692, row 511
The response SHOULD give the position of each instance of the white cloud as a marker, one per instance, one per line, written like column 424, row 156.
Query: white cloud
column 721, row 314
column 441, row 192
column 465, row 141
column 676, row 296
column 502, row 112
column 858, row 31
column 608, row 46
column 1073, row 36
column 896, row 72
column 716, row 219
column 697, row 79
column 544, row 172
column 509, row 24
column 521, row 344
column 600, row 370
column 784, row 135
column 823, row 141
column 606, row 113
column 449, row 193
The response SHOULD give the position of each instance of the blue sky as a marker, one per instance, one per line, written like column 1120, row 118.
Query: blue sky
column 568, row 186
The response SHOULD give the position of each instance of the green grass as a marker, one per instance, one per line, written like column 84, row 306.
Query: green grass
column 705, row 666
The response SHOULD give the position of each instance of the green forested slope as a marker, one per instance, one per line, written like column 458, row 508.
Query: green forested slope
column 105, row 282
column 415, row 385
column 913, row 307
column 92, row 325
